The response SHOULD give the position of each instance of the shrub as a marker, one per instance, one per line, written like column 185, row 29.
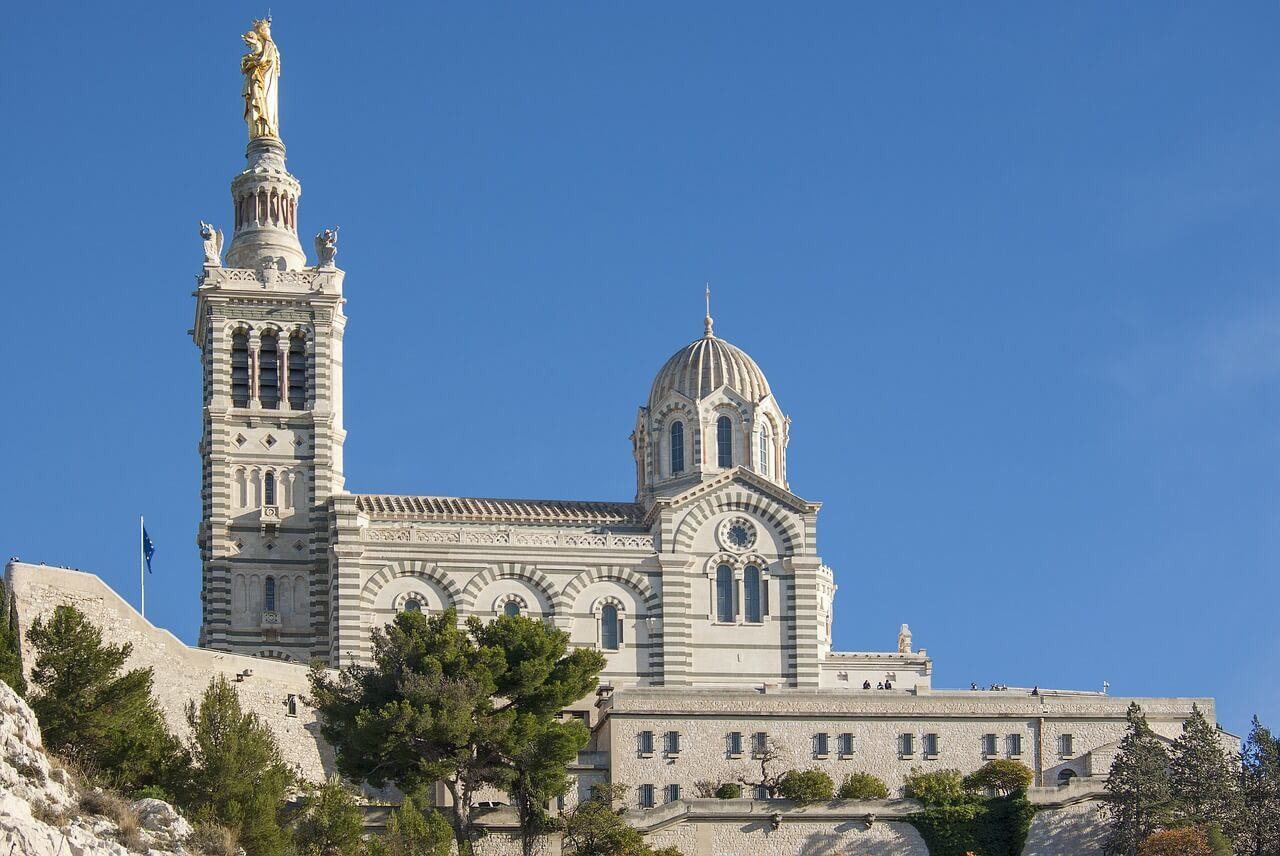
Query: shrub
column 10, row 651
column 214, row 839
column 1188, row 841
column 44, row 811
column 806, row 786
column 992, row 827
column 1001, row 776
column 412, row 833
column 862, row 786
column 940, row 787
column 330, row 821
column 729, row 791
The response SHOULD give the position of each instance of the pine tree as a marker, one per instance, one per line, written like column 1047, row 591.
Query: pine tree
column 1203, row 779
column 1258, row 830
column 237, row 777
column 10, row 642
column 330, row 822
column 108, row 721
column 1138, row 799
column 412, row 833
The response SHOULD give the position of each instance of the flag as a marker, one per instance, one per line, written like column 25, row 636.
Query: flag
column 148, row 549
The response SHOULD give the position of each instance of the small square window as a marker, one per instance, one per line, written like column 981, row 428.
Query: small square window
column 672, row 743
column 907, row 744
column 735, row 743
column 759, row 743
column 291, row 706
column 845, row 744
column 1065, row 744
column 672, row 793
column 989, row 744
column 820, row 745
column 645, row 742
column 931, row 745
column 1015, row 745
column 646, row 796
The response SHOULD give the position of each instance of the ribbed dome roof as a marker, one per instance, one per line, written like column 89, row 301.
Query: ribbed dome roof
column 707, row 364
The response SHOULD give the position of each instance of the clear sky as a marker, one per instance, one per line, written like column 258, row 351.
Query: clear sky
column 1011, row 268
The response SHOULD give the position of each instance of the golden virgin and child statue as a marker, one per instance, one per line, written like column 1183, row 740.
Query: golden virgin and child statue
column 261, row 70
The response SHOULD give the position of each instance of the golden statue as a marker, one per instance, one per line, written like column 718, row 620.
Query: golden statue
column 261, row 70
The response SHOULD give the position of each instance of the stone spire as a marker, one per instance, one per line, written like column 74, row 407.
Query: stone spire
column 265, row 195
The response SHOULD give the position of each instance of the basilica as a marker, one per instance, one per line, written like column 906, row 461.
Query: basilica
column 706, row 592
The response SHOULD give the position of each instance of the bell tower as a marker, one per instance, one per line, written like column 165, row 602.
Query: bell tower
column 269, row 329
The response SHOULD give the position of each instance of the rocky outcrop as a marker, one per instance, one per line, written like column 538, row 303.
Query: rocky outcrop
column 41, row 810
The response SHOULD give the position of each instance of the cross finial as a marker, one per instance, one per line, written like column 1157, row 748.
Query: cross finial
column 707, row 321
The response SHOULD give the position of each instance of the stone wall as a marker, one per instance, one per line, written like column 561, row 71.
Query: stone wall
column 181, row 672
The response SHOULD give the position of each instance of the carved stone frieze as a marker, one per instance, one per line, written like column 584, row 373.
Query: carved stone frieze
column 509, row 536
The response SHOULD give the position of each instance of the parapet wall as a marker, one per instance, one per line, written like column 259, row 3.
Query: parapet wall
column 181, row 672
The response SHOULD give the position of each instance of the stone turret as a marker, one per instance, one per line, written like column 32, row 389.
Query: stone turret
column 265, row 197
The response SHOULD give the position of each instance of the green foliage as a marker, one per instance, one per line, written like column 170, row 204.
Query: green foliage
column 593, row 828
column 936, row 788
column 1257, row 827
column 412, row 833
column 1002, row 776
column 10, row 639
column 330, row 821
column 992, row 827
column 1203, row 781
column 1139, row 798
column 107, row 721
column 862, row 786
column 806, row 786
column 468, row 708
column 237, row 777
column 729, row 791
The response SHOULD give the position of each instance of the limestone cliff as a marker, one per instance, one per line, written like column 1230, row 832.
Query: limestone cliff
column 43, row 811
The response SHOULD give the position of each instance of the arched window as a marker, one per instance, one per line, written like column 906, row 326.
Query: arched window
column 240, row 369
column 269, row 594
column 751, row 593
column 512, row 609
column 609, row 627
column 269, row 370
column 412, row 605
column 1065, row 776
column 724, row 442
column 766, row 449
column 269, row 488
column 724, row 594
column 297, row 372
column 677, row 447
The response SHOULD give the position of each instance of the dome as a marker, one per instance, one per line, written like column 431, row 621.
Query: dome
column 705, row 365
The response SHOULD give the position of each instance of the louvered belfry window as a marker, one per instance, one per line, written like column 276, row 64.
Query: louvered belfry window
column 269, row 371
column 297, row 373
column 240, row 369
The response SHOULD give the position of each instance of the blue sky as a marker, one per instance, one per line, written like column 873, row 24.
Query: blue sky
column 1011, row 268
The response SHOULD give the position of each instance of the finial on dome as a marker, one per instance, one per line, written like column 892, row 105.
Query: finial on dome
column 707, row 322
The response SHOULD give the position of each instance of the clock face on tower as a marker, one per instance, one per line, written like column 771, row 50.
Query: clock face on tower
column 737, row 534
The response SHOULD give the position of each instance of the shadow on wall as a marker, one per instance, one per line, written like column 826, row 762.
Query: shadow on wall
column 1080, row 830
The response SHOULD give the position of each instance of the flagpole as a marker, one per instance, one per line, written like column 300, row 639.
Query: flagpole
column 142, row 562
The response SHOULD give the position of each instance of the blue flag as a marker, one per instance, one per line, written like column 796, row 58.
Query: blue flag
column 148, row 549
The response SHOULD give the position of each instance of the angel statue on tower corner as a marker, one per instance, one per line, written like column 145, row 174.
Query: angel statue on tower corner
column 212, row 244
column 261, row 70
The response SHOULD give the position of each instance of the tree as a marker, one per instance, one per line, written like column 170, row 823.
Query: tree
column 237, row 776
column 1203, row 780
column 1257, row 830
column 412, row 833
column 1138, row 799
column 10, row 642
column 108, row 721
column 330, row 822
column 1001, row 775
column 806, row 786
column 593, row 828
column 862, row 786
column 539, row 751
column 768, row 757
column 457, row 706
column 1187, row 841
column 939, row 787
